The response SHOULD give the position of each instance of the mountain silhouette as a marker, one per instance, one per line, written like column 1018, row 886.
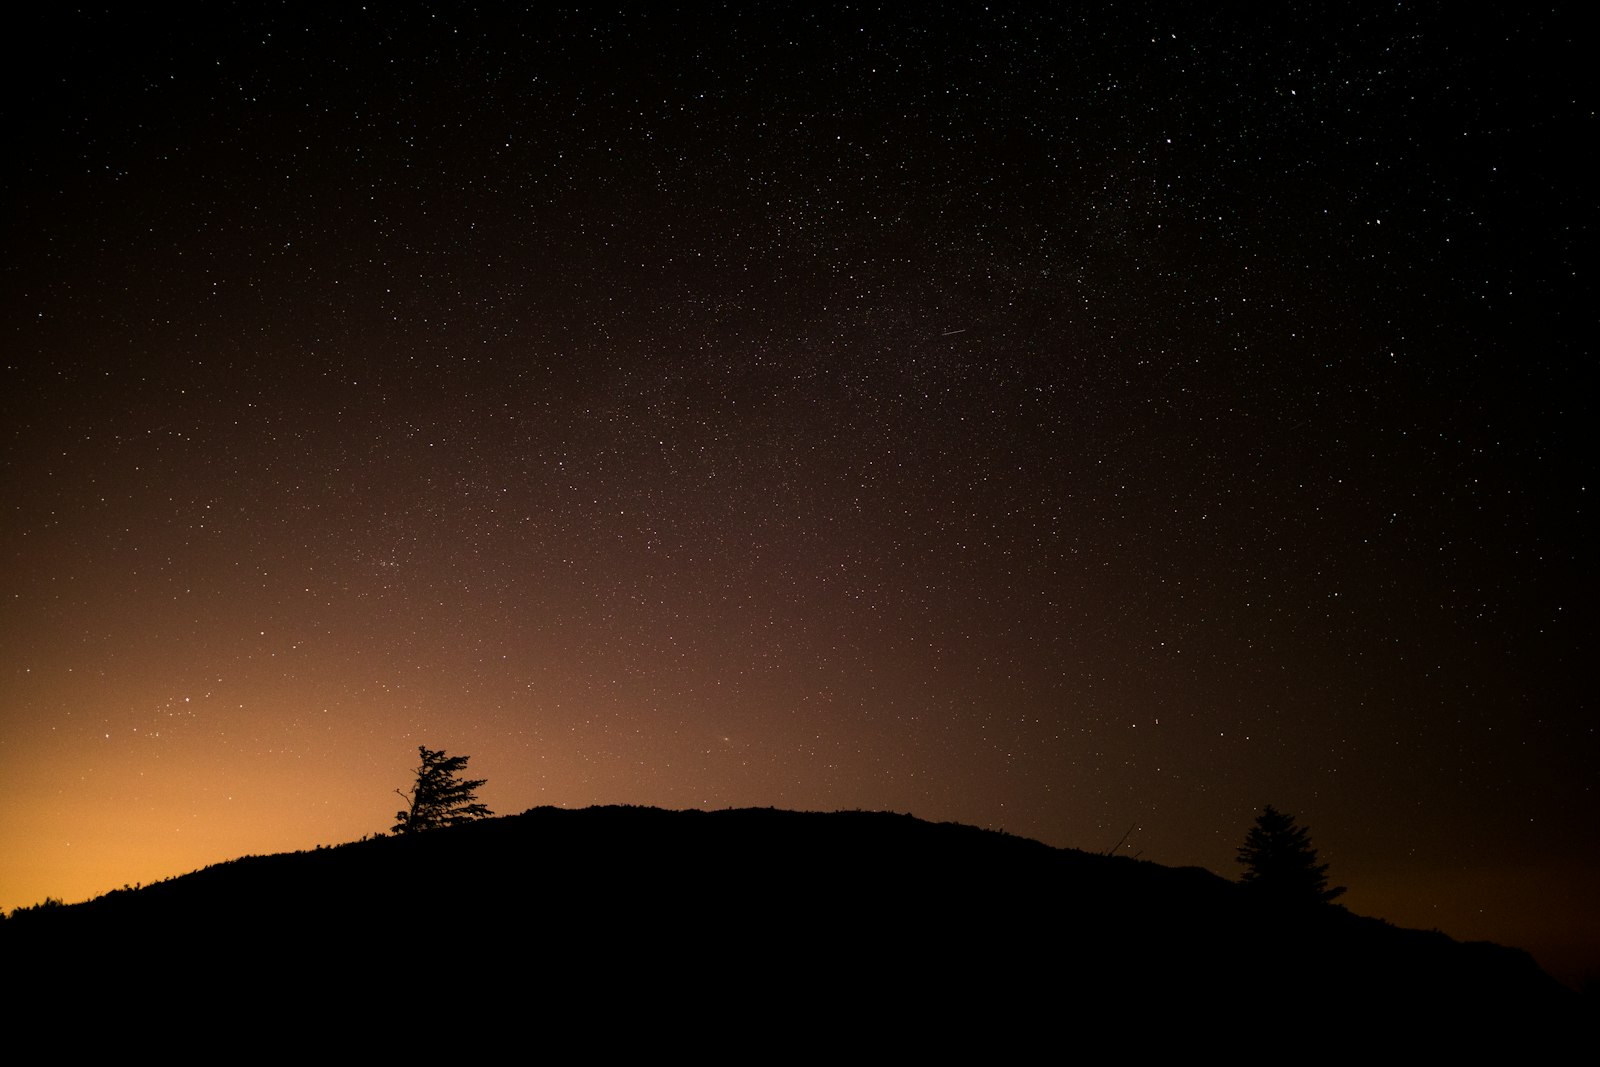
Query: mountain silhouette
column 769, row 918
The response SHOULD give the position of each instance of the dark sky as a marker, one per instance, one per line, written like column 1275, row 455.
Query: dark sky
column 1053, row 422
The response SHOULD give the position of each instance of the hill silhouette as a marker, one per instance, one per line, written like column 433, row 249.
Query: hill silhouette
column 800, row 918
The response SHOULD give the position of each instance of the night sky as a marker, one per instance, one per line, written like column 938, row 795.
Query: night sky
column 1053, row 422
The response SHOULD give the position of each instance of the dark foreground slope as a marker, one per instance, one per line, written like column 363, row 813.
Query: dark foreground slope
column 797, row 920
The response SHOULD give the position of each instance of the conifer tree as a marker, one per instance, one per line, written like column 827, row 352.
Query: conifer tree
column 439, row 797
column 1281, row 864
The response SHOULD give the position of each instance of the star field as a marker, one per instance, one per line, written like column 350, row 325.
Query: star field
column 1057, row 422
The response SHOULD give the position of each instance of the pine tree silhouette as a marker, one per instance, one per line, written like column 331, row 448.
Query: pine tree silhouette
column 1281, row 864
column 439, row 798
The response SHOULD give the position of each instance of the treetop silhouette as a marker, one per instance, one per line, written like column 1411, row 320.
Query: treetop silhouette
column 1280, row 862
column 439, row 797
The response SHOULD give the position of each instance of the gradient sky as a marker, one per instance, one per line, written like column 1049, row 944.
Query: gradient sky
column 1060, row 423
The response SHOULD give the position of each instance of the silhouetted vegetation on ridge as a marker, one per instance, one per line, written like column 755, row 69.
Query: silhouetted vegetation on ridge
column 1280, row 864
column 439, row 797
